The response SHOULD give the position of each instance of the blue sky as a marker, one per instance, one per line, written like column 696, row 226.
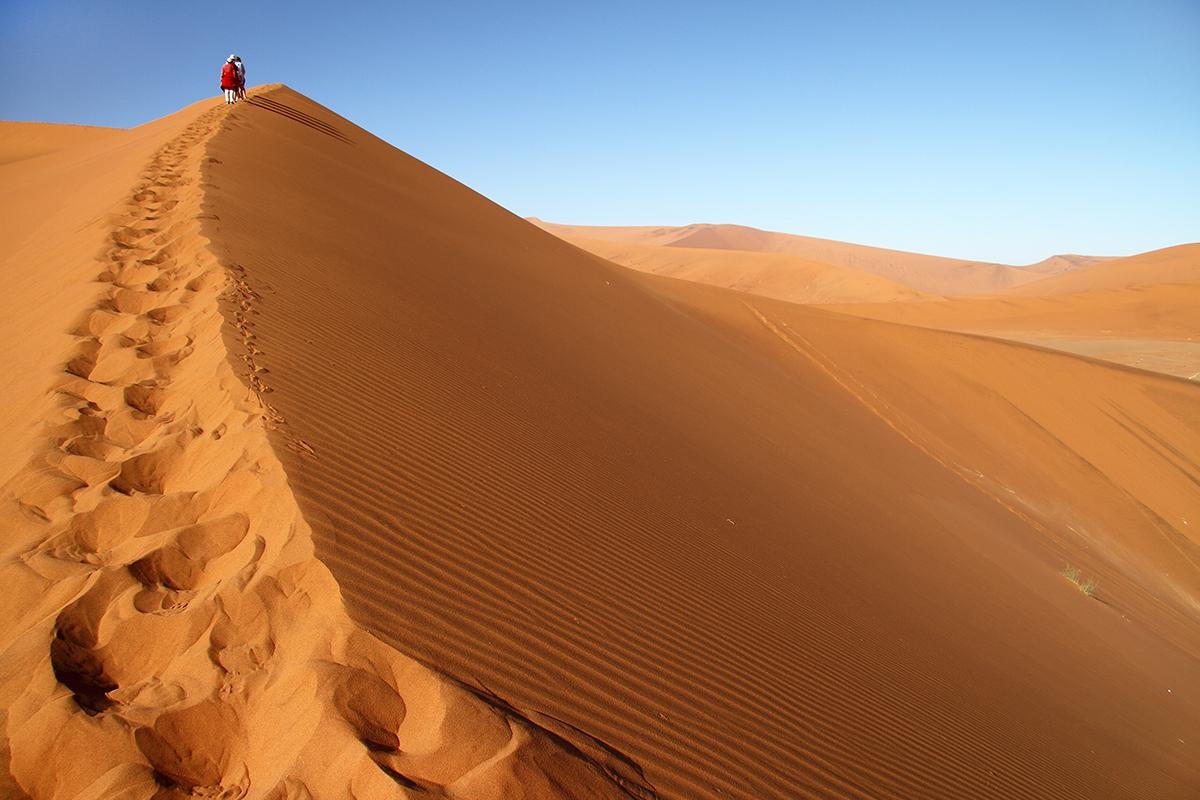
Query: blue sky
column 1001, row 131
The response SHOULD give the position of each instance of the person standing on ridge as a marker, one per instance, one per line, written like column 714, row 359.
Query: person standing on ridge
column 229, row 80
column 241, row 76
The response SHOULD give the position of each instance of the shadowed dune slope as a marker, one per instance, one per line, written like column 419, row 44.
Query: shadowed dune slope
column 724, row 534
column 783, row 277
column 924, row 273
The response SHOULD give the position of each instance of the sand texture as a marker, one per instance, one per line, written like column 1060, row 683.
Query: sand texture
column 166, row 629
column 761, row 549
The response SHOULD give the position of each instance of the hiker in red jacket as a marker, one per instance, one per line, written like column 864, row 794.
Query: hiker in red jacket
column 229, row 80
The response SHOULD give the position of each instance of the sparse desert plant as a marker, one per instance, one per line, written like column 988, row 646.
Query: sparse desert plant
column 1088, row 586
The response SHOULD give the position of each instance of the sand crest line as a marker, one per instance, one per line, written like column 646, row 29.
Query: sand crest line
column 168, row 616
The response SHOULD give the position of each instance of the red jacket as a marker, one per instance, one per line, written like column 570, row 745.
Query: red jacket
column 229, row 79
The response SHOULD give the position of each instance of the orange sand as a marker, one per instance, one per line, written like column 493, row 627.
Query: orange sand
column 1139, row 311
column 167, row 631
column 21, row 140
column 682, row 540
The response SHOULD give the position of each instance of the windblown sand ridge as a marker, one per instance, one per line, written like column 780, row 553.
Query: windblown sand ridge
column 167, row 631
column 765, row 551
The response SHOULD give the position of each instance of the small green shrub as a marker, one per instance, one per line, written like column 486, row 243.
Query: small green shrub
column 1088, row 586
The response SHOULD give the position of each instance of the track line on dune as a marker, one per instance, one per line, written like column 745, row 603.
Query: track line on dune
column 860, row 392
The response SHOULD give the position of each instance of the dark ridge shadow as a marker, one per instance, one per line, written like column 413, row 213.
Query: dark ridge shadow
column 620, row 769
column 298, row 116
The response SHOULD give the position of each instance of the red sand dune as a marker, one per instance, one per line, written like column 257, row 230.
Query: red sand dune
column 743, row 547
column 929, row 274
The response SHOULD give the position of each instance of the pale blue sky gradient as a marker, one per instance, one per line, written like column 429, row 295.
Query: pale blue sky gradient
column 1001, row 131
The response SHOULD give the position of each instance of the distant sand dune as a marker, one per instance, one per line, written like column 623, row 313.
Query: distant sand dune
column 1139, row 311
column 776, row 275
column 1170, row 265
column 923, row 273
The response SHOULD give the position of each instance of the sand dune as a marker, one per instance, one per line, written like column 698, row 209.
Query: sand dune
column 599, row 533
column 923, row 273
column 783, row 277
column 1062, row 264
column 1140, row 311
column 21, row 140
column 763, row 550
column 167, row 632
column 1170, row 265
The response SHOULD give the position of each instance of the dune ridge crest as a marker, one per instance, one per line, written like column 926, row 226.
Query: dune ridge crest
column 168, row 630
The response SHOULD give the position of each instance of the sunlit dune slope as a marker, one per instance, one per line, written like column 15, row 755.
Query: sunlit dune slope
column 929, row 274
column 776, row 275
column 21, row 140
column 762, row 550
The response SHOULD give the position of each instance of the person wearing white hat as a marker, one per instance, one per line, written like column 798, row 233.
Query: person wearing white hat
column 229, row 79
